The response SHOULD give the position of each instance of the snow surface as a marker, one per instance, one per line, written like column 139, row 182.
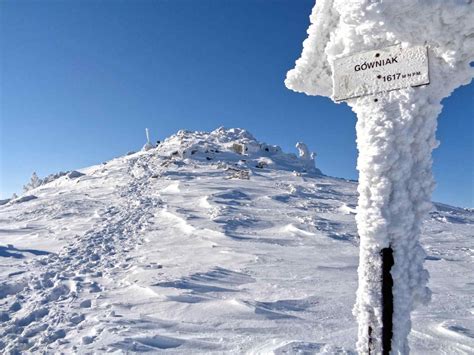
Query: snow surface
column 395, row 135
column 166, row 250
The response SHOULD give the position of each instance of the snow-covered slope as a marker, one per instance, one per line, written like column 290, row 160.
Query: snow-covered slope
column 209, row 243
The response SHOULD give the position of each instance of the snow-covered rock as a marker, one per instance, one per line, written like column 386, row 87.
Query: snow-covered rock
column 147, row 147
column 74, row 174
column 24, row 198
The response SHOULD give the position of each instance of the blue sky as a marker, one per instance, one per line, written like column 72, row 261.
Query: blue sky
column 80, row 80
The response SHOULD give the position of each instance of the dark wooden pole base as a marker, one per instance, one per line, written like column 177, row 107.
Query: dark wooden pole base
column 387, row 300
column 387, row 303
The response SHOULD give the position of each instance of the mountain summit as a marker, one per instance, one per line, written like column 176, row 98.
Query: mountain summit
column 238, row 147
column 208, row 242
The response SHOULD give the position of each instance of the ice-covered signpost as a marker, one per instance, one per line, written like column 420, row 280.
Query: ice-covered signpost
column 392, row 62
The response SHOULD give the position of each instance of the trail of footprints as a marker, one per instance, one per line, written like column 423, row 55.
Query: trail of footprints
column 45, row 307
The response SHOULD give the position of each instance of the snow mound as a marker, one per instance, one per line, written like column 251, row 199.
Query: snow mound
column 235, row 146
column 147, row 147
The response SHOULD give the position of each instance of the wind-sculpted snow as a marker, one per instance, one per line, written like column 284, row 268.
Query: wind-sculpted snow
column 157, row 251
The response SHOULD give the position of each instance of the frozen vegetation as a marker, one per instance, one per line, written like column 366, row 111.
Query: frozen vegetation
column 209, row 243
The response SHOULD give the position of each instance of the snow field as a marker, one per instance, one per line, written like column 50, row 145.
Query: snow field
column 158, row 251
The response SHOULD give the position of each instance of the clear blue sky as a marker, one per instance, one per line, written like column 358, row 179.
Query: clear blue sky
column 80, row 80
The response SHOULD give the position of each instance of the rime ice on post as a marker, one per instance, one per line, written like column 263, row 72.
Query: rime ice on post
column 395, row 137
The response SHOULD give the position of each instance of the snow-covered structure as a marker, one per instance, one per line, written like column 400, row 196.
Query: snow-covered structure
column 395, row 135
column 147, row 145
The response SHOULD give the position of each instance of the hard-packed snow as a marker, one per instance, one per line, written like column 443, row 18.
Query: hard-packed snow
column 395, row 135
column 193, row 247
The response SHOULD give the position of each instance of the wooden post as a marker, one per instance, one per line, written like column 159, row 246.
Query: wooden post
column 387, row 304
column 387, row 300
column 395, row 132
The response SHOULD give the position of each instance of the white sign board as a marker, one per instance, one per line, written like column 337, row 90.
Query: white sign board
column 379, row 70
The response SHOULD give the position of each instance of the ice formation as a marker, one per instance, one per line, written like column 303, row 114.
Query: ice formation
column 395, row 135
column 306, row 155
column 34, row 182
